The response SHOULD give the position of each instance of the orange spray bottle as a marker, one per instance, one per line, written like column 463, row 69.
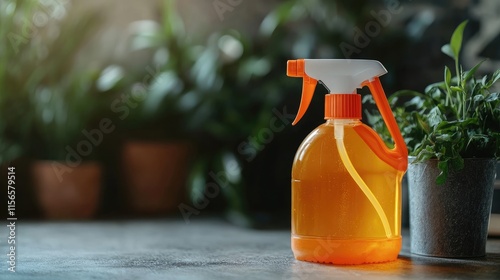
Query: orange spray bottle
column 346, row 183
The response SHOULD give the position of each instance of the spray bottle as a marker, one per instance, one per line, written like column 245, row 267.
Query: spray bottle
column 346, row 183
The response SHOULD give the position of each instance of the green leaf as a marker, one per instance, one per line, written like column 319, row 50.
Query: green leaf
column 457, row 163
column 494, row 78
column 456, row 39
column 435, row 93
column 444, row 137
column 368, row 99
column 492, row 97
column 372, row 118
column 435, row 117
column 279, row 16
column 446, row 49
column 484, row 82
column 172, row 24
column 197, row 180
column 422, row 123
column 435, row 86
column 447, row 76
column 441, row 178
column 478, row 98
column 416, row 101
column 469, row 74
column 457, row 136
column 424, row 153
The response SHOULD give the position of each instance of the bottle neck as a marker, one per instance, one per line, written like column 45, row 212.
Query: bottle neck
column 342, row 121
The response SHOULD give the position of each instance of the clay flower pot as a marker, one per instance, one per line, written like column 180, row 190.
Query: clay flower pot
column 73, row 194
column 155, row 175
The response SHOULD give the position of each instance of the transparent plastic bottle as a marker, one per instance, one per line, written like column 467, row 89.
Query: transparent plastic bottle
column 332, row 219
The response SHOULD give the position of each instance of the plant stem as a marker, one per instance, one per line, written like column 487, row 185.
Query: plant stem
column 460, row 95
column 464, row 96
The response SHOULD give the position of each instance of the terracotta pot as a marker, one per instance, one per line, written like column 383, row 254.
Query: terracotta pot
column 155, row 175
column 73, row 194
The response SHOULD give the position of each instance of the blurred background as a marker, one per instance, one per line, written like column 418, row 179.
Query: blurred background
column 129, row 109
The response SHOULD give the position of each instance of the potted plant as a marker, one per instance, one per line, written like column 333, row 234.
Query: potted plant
column 452, row 130
column 67, row 174
column 50, row 103
column 156, row 151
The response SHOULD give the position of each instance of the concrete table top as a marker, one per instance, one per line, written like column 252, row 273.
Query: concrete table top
column 202, row 249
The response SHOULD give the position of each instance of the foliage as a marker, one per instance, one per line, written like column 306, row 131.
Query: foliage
column 170, row 94
column 221, row 90
column 10, row 111
column 246, row 83
column 454, row 119
column 46, row 98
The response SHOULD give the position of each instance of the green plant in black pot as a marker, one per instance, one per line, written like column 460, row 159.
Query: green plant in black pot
column 453, row 133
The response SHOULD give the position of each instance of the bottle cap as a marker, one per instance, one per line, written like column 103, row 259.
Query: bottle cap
column 343, row 106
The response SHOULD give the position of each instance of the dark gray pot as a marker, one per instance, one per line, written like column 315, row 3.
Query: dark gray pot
column 450, row 220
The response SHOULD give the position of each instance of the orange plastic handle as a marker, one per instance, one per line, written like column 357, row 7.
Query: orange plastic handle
column 397, row 157
column 296, row 68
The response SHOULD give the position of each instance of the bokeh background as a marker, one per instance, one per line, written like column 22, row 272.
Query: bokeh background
column 130, row 109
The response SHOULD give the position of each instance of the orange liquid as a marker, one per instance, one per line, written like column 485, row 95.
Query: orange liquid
column 332, row 219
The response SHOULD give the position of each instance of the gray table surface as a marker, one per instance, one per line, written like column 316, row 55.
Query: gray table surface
column 202, row 249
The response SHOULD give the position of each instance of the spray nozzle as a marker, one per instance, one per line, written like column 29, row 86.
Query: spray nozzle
column 339, row 76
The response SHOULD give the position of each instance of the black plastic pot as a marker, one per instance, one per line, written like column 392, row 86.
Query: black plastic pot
column 450, row 220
